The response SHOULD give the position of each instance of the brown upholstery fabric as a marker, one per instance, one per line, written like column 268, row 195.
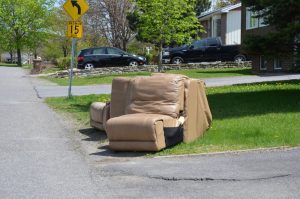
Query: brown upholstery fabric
column 99, row 114
column 136, row 127
column 96, row 111
column 144, row 111
column 161, row 94
column 97, row 125
column 179, row 78
column 119, row 96
column 197, row 112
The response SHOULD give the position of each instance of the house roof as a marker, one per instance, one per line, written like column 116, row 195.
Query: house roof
column 206, row 15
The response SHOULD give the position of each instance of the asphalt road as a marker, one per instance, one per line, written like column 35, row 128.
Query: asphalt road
column 44, row 89
column 42, row 156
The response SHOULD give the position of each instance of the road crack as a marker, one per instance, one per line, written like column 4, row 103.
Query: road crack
column 217, row 179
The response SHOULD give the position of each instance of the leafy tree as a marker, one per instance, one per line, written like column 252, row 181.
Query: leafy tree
column 224, row 3
column 5, row 43
column 107, row 18
column 284, row 17
column 162, row 22
column 58, row 21
column 24, row 22
column 202, row 6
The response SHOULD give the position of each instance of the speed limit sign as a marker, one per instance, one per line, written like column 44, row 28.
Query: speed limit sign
column 75, row 29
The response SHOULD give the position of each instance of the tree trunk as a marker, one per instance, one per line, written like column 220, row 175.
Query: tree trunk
column 35, row 54
column 160, row 58
column 19, row 57
column 11, row 56
column 124, row 45
column 65, row 51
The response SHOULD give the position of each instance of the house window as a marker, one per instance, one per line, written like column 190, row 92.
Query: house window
column 277, row 64
column 263, row 63
column 216, row 26
column 252, row 21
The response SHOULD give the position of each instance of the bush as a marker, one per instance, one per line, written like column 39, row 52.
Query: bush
column 149, row 58
column 63, row 63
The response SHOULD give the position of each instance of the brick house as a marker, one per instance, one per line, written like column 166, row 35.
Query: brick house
column 224, row 23
column 260, row 62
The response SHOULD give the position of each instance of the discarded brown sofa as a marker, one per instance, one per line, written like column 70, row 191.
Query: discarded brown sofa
column 151, row 113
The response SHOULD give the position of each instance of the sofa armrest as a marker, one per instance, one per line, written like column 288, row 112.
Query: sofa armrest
column 99, row 114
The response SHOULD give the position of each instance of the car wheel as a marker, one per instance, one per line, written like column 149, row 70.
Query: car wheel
column 239, row 58
column 133, row 63
column 88, row 66
column 177, row 60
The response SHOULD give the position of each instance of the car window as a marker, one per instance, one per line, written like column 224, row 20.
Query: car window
column 212, row 42
column 114, row 51
column 199, row 44
column 99, row 51
column 85, row 52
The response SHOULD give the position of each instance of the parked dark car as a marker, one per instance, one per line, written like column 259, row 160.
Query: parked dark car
column 107, row 56
column 209, row 49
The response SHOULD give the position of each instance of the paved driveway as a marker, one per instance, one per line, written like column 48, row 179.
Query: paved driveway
column 45, row 90
column 38, row 156
column 43, row 157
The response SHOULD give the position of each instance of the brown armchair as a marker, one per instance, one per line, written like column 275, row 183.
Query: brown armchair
column 151, row 113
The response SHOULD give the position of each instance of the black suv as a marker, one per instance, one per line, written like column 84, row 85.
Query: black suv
column 107, row 56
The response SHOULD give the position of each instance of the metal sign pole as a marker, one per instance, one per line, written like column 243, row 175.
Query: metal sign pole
column 72, row 66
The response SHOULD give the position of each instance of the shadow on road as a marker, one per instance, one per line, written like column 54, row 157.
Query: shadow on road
column 94, row 135
column 98, row 136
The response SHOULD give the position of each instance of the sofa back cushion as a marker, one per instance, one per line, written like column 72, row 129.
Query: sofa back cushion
column 179, row 78
column 158, row 94
column 119, row 96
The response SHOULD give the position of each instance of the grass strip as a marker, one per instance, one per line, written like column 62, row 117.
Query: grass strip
column 193, row 73
column 82, row 81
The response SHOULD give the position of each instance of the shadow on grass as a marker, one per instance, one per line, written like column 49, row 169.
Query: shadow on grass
column 234, row 105
column 240, row 72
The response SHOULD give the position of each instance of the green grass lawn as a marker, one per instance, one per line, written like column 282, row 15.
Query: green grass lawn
column 214, row 72
column 25, row 66
column 82, row 81
column 244, row 117
column 194, row 73
column 8, row 64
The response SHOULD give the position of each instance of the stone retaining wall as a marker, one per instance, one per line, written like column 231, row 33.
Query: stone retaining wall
column 148, row 68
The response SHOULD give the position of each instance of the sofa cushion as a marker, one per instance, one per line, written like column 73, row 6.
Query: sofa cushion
column 99, row 114
column 159, row 94
column 119, row 96
column 137, row 127
column 96, row 111
column 180, row 78
column 197, row 113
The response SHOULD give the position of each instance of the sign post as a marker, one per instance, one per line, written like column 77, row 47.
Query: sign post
column 75, row 8
column 71, row 67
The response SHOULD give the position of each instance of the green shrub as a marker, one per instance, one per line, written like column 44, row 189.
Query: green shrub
column 63, row 63
column 149, row 58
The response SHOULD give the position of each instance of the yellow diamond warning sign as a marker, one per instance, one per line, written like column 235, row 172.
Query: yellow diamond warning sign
column 76, row 8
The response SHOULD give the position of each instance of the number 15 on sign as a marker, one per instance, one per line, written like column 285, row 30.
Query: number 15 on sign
column 75, row 29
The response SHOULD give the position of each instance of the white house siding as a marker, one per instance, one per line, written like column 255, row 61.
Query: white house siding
column 233, row 32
